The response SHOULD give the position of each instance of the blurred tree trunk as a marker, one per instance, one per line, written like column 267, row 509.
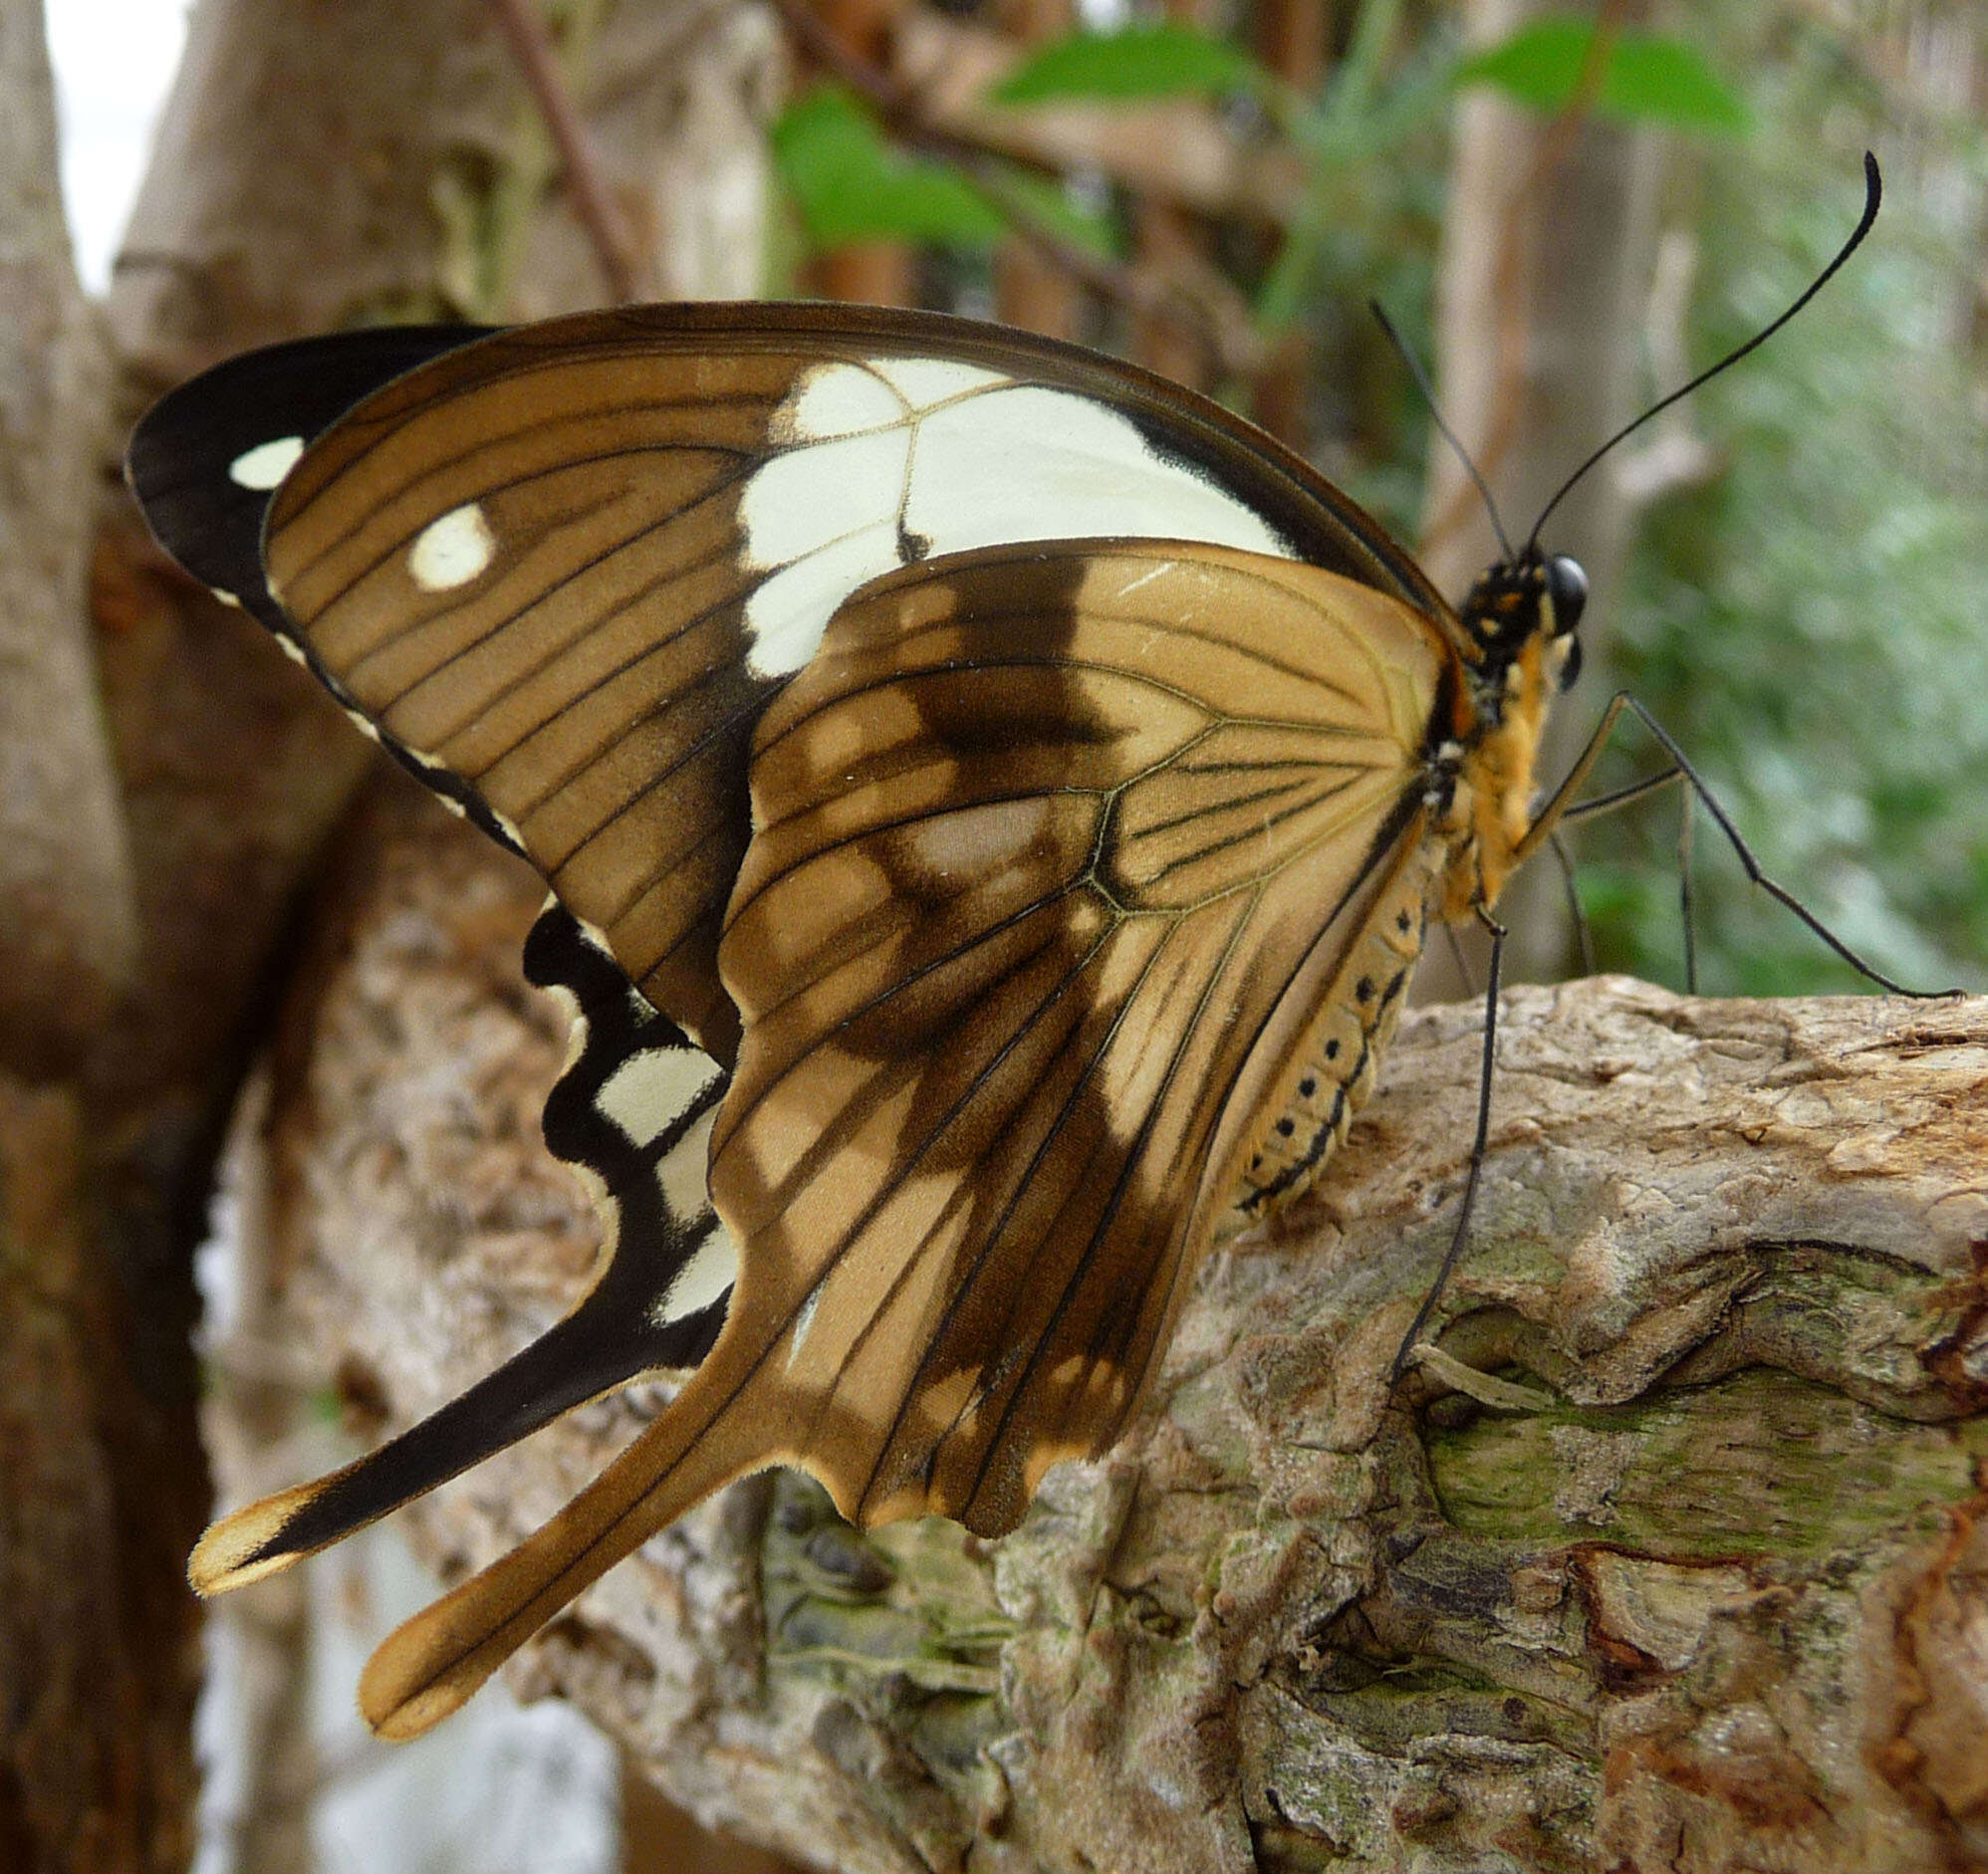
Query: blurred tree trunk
column 1030, row 289
column 870, row 273
column 100, row 1478
column 186, row 784
column 1543, row 274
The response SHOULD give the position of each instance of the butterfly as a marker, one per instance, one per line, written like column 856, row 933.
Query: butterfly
column 992, row 801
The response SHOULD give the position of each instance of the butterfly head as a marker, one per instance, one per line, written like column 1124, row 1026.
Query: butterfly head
column 1532, row 598
column 1518, row 648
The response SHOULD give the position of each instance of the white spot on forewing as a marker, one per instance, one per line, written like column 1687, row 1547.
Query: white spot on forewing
column 452, row 551
column 264, row 466
column 838, row 401
column 956, row 457
column 820, row 492
column 791, row 611
column 843, row 400
column 650, row 1089
column 708, row 1276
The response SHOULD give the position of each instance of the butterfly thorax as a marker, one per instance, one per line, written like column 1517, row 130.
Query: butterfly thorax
column 1519, row 650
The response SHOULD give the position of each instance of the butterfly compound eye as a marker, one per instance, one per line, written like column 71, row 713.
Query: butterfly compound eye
column 1566, row 588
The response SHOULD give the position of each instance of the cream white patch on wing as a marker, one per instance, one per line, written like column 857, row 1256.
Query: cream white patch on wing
column 903, row 458
column 684, row 1173
column 791, row 611
column 648, row 1092
column 925, row 382
column 1026, row 463
column 264, row 466
column 825, row 491
column 839, row 401
column 704, row 1279
column 452, row 551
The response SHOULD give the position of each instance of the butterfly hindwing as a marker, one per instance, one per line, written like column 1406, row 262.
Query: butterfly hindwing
column 1058, row 850
column 1059, row 853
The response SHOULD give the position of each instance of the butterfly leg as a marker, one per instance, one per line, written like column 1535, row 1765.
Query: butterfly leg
column 1608, row 804
column 1559, row 803
column 1477, row 1149
column 1583, row 936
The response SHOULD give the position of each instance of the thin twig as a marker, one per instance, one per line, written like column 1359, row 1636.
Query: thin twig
column 1509, row 385
column 525, row 33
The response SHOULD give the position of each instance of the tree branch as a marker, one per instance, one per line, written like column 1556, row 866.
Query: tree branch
column 1213, row 317
column 1680, row 1578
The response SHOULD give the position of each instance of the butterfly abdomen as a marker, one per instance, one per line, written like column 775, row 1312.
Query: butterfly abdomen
column 1480, row 818
column 1340, row 1063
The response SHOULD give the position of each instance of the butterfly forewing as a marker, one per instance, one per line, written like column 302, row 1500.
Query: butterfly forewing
column 568, row 566
column 206, row 457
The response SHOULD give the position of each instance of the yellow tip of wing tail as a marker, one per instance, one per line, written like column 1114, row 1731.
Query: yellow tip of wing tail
column 238, row 1549
column 430, row 1665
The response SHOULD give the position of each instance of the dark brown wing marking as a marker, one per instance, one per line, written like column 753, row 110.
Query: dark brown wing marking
column 565, row 569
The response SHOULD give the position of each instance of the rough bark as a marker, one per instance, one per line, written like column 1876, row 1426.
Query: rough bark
column 1677, row 1561
column 95, row 1692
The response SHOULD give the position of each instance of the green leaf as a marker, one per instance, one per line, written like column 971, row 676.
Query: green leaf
column 1137, row 62
column 1049, row 204
column 849, row 185
column 1648, row 79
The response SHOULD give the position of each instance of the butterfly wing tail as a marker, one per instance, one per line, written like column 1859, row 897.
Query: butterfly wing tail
column 605, row 1341
column 430, row 1664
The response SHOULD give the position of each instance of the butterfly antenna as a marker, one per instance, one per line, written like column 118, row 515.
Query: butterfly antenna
column 1873, row 194
column 1427, row 389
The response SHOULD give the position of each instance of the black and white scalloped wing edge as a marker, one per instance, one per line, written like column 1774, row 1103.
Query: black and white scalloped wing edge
column 632, row 1113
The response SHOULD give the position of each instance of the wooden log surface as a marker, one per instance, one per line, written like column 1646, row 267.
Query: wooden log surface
column 1677, row 1561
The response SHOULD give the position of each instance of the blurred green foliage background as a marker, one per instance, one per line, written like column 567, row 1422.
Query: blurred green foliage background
column 1811, row 618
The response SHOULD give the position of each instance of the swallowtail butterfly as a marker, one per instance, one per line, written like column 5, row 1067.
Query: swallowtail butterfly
column 991, row 798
